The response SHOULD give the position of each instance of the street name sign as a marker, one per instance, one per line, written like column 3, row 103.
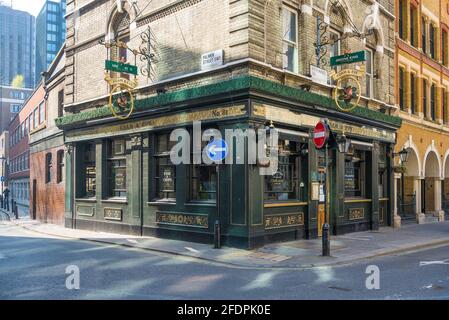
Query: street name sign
column 348, row 58
column 116, row 66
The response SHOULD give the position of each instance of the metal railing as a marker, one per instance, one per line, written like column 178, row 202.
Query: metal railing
column 407, row 208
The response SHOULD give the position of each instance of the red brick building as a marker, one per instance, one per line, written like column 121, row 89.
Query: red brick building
column 47, row 173
column 30, row 118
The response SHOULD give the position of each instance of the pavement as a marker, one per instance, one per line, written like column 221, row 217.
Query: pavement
column 302, row 254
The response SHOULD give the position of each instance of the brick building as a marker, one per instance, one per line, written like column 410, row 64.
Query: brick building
column 11, row 101
column 47, row 151
column 422, row 84
column 30, row 118
column 4, row 153
column 240, row 64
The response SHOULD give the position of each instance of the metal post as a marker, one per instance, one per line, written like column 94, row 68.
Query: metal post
column 217, row 226
column 326, row 236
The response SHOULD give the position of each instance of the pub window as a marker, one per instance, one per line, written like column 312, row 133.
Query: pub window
column 48, row 167
column 288, row 182
column 335, row 49
column 369, row 73
column 116, row 166
column 203, row 181
column 290, row 41
column 402, row 88
column 355, row 174
column 60, row 164
column 424, row 34
column 413, row 106
column 165, row 171
column 433, row 97
column 89, row 170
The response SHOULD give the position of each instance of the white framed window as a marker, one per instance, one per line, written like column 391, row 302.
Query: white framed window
column 290, row 39
column 369, row 90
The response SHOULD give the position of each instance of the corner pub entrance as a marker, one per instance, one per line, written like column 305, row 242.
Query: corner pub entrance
column 122, row 179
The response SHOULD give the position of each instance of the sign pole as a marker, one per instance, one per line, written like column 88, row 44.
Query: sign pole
column 326, row 235
column 321, row 140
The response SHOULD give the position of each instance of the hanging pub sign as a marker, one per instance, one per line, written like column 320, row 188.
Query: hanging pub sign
column 121, row 96
column 347, row 91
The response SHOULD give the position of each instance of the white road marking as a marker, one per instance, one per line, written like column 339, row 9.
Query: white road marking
column 191, row 250
column 427, row 263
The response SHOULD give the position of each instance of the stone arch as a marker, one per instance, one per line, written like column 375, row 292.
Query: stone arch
column 432, row 163
column 413, row 165
column 126, row 7
column 344, row 4
column 446, row 165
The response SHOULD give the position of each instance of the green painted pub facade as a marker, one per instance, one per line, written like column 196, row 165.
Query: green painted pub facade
column 120, row 178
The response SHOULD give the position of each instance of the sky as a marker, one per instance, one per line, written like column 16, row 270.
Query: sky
column 31, row 6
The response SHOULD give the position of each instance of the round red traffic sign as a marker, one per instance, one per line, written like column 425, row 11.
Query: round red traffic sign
column 320, row 135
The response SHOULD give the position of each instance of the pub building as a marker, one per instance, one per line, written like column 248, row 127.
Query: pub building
column 120, row 177
column 124, row 181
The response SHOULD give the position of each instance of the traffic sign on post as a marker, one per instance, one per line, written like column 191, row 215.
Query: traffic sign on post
column 320, row 134
column 217, row 150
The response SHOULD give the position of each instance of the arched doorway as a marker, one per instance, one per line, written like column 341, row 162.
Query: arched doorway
column 432, row 184
column 409, row 188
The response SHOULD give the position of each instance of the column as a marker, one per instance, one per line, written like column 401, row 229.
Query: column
column 396, row 218
column 420, row 216
column 438, row 200
column 69, row 182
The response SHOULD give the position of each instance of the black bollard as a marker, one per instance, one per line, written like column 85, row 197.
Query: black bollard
column 217, row 235
column 326, row 241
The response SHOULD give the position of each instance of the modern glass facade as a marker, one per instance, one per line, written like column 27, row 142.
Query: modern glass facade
column 50, row 34
column 17, row 31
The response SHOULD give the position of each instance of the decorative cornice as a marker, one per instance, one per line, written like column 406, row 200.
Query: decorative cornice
column 250, row 84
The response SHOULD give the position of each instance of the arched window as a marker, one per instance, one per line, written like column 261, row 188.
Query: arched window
column 120, row 30
column 60, row 164
column 48, row 167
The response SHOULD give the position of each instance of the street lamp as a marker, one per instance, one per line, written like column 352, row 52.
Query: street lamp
column 343, row 143
column 403, row 156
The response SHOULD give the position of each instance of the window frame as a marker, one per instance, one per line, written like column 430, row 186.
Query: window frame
column 48, row 167
column 368, row 75
column 60, row 157
column 157, row 156
column 288, row 42
column 116, row 161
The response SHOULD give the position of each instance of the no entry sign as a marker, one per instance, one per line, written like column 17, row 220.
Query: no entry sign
column 320, row 135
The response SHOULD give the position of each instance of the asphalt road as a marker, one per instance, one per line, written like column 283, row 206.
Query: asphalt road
column 33, row 266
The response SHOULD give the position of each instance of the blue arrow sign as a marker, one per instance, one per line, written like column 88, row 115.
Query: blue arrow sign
column 217, row 150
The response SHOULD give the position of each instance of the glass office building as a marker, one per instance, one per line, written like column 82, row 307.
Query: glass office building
column 16, row 51
column 50, row 34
